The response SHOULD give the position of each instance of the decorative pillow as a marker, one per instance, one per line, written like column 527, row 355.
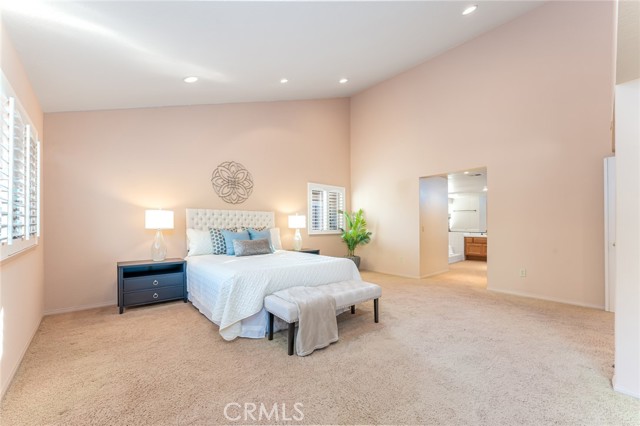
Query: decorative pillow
column 276, row 244
column 229, row 236
column 255, row 228
column 218, row 244
column 254, row 234
column 199, row 242
column 251, row 247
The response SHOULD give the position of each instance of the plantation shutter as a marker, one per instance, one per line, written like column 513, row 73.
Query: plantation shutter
column 18, row 182
column 33, row 178
column 317, row 210
column 335, row 204
column 4, row 170
column 19, row 178
column 325, row 204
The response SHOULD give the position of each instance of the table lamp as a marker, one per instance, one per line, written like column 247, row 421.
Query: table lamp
column 158, row 220
column 297, row 222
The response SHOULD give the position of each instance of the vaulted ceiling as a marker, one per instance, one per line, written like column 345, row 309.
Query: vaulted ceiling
column 88, row 55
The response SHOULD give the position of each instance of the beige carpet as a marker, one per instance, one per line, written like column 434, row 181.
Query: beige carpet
column 446, row 352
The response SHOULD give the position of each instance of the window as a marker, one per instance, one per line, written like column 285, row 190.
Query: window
column 19, row 177
column 325, row 202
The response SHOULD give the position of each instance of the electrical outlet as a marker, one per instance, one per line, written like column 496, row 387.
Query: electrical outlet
column 523, row 273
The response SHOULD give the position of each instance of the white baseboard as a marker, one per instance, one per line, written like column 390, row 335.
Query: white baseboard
column 550, row 299
column 434, row 273
column 78, row 308
column 14, row 370
column 414, row 277
column 623, row 390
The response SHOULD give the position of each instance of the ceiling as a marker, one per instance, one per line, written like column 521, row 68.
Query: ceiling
column 91, row 55
column 467, row 182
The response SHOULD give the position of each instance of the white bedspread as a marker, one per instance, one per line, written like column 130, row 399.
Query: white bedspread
column 231, row 289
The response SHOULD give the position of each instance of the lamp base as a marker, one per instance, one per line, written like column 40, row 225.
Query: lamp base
column 158, row 248
column 297, row 241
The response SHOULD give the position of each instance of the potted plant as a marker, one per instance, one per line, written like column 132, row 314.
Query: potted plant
column 355, row 233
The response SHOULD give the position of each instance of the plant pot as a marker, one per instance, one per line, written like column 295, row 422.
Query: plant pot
column 356, row 260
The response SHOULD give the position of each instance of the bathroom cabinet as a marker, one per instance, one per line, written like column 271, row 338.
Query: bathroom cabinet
column 475, row 248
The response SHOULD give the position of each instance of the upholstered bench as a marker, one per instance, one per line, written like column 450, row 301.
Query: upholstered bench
column 346, row 294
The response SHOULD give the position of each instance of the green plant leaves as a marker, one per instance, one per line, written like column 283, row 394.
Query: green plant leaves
column 356, row 232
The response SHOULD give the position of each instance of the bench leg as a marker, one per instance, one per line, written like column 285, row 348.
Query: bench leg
column 375, row 310
column 353, row 309
column 291, row 337
column 270, row 326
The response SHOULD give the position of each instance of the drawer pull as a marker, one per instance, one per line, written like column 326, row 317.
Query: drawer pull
column 155, row 295
column 155, row 282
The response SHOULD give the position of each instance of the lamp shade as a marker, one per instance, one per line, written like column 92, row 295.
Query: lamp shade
column 158, row 219
column 297, row 221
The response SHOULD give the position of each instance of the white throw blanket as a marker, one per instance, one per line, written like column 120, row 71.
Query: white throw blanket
column 317, row 323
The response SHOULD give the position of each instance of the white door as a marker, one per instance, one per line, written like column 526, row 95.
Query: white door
column 610, row 233
column 434, row 235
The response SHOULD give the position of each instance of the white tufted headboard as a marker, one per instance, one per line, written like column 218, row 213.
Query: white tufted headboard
column 204, row 218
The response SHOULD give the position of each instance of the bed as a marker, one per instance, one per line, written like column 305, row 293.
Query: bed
column 230, row 290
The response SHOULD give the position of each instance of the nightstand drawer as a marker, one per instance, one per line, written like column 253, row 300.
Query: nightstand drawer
column 145, row 281
column 156, row 295
column 150, row 282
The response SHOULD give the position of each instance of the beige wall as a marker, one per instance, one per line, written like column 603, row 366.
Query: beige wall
column 628, row 41
column 21, row 276
column 532, row 101
column 103, row 169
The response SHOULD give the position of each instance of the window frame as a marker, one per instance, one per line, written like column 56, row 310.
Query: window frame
column 26, row 200
column 326, row 189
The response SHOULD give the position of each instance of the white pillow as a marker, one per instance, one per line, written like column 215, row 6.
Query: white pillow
column 276, row 244
column 199, row 242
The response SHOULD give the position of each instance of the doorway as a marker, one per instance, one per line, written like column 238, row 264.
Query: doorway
column 453, row 225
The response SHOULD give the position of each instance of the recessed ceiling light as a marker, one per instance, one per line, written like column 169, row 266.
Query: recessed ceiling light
column 485, row 189
column 470, row 9
column 284, row 80
column 190, row 79
column 466, row 173
column 343, row 80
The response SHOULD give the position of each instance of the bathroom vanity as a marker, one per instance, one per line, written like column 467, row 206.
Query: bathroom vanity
column 475, row 248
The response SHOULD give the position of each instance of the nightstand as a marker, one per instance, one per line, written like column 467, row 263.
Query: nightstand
column 308, row 250
column 143, row 282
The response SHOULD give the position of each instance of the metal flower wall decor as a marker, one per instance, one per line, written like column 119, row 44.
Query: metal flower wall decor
column 232, row 182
